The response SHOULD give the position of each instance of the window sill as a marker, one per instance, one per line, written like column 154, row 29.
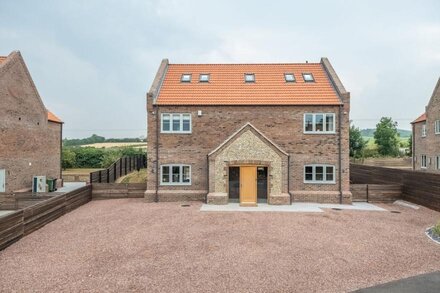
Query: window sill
column 319, row 132
column 320, row 182
column 175, row 184
column 176, row 132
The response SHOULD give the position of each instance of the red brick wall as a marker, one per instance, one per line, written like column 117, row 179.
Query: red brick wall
column 282, row 124
column 30, row 145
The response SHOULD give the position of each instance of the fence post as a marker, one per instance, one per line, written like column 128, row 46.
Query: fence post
column 108, row 175
column 125, row 165
column 99, row 178
column 120, row 167
column 91, row 176
column 114, row 173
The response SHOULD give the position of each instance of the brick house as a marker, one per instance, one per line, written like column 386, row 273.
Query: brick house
column 30, row 135
column 248, row 133
column 426, row 136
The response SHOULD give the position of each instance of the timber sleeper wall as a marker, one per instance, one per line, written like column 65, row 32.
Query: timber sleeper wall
column 376, row 192
column 25, row 221
column 118, row 190
column 417, row 186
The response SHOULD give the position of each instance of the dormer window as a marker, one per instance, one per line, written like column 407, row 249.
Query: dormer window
column 308, row 77
column 289, row 77
column 204, row 77
column 185, row 77
column 249, row 77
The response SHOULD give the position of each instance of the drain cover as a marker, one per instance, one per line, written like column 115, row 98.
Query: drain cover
column 336, row 209
column 395, row 212
column 185, row 205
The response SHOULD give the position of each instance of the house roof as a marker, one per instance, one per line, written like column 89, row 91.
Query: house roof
column 2, row 59
column 226, row 85
column 421, row 118
column 53, row 118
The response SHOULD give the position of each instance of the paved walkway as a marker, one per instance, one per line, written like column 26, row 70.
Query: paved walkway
column 295, row 207
column 70, row 186
column 426, row 283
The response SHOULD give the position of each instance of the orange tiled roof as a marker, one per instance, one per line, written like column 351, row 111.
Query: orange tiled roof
column 51, row 117
column 2, row 58
column 420, row 119
column 226, row 85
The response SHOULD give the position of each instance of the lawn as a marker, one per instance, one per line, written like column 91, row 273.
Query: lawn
column 135, row 177
column 80, row 171
column 129, row 245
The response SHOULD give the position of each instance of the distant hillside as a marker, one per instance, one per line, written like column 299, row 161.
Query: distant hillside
column 99, row 139
column 369, row 132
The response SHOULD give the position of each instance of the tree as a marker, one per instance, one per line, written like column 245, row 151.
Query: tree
column 410, row 145
column 387, row 137
column 68, row 158
column 357, row 142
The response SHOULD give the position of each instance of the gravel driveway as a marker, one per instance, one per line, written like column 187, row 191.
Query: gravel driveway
column 129, row 245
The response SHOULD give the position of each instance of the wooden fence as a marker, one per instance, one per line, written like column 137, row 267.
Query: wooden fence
column 118, row 190
column 376, row 192
column 25, row 221
column 419, row 187
column 121, row 167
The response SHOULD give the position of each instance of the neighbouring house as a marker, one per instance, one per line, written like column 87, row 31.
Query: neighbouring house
column 426, row 136
column 30, row 135
column 248, row 133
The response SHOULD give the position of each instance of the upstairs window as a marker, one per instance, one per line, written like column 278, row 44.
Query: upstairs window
column 423, row 129
column 249, row 77
column 204, row 77
column 185, row 77
column 319, row 123
column 437, row 126
column 289, row 77
column 176, row 123
column 319, row 174
column 308, row 77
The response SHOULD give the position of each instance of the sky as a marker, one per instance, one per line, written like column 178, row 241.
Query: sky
column 94, row 61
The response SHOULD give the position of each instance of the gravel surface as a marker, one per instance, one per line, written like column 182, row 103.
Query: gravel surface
column 128, row 245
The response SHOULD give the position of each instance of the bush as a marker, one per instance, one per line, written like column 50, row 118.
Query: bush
column 89, row 157
column 68, row 158
column 436, row 229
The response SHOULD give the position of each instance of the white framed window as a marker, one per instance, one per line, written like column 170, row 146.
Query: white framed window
column 186, row 77
column 319, row 123
column 437, row 126
column 176, row 123
column 204, row 77
column 423, row 162
column 289, row 77
column 423, row 129
column 308, row 77
column 249, row 77
column 175, row 174
column 315, row 173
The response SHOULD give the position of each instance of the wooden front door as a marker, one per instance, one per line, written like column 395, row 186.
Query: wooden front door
column 248, row 186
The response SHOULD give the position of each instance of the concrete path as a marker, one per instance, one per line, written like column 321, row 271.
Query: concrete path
column 425, row 283
column 70, row 186
column 5, row 212
column 295, row 207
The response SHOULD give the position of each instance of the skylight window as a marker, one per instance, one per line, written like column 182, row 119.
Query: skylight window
column 185, row 77
column 249, row 77
column 289, row 77
column 204, row 77
column 308, row 77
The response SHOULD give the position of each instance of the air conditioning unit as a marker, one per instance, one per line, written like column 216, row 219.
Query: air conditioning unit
column 39, row 184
